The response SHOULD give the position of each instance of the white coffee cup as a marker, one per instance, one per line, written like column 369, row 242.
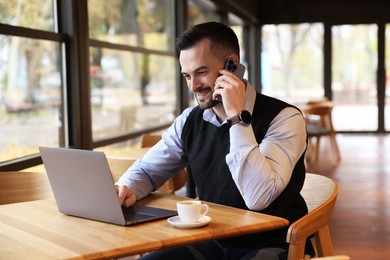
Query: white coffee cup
column 190, row 211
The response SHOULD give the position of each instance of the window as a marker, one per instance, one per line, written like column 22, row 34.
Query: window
column 354, row 65
column 292, row 61
column 131, row 91
column 132, row 65
column 33, row 14
column 237, row 24
column 132, row 73
column 139, row 23
column 201, row 11
column 387, row 66
column 31, row 81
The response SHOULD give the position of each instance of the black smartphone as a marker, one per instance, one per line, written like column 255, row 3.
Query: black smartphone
column 237, row 68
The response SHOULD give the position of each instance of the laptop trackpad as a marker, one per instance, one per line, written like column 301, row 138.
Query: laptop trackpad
column 139, row 213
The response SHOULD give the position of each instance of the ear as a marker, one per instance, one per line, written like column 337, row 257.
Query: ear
column 234, row 57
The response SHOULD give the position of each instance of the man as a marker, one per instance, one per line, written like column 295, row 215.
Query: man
column 246, row 151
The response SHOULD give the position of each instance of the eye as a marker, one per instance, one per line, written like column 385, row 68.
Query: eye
column 202, row 73
column 186, row 76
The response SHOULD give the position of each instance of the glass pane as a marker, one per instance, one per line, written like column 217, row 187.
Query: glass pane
column 35, row 14
column 126, row 148
column 354, row 64
column 387, row 65
column 130, row 91
column 237, row 25
column 30, row 96
column 120, row 149
column 142, row 23
column 292, row 62
column 201, row 11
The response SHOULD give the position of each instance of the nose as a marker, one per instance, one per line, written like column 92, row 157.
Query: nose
column 193, row 84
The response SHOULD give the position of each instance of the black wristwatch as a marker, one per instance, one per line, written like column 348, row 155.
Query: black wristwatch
column 244, row 117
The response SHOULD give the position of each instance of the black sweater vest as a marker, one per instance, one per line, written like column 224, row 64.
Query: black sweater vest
column 206, row 147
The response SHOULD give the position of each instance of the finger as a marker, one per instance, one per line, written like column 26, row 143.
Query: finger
column 122, row 194
column 126, row 196
column 130, row 199
column 221, row 80
column 217, row 91
column 227, row 73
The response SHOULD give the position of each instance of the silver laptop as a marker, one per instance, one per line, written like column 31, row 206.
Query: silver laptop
column 83, row 186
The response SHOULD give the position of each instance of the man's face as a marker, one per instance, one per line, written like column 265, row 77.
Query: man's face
column 200, row 66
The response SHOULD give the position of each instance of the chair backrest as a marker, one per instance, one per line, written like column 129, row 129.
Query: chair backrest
column 118, row 165
column 177, row 182
column 317, row 101
column 335, row 257
column 320, row 194
column 317, row 190
column 148, row 140
column 23, row 186
column 323, row 111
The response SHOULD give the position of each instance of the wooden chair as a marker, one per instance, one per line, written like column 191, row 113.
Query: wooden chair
column 148, row 140
column 317, row 101
column 319, row 124
column 118, row 165
column 23, row 186
column 177, row 182
column 335, row 257
column 320, row 194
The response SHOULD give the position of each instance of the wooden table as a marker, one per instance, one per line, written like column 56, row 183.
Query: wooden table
column 36, row 230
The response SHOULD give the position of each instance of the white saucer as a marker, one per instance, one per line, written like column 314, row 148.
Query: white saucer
column 175, row 221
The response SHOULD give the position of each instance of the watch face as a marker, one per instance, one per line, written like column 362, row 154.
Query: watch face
column 246, row 117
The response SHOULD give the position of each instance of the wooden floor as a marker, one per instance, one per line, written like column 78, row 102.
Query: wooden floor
column 360, row 225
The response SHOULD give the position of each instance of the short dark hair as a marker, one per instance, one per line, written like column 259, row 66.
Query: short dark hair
column 222, row 38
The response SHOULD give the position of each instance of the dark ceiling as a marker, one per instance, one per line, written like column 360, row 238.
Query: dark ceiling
column 296, row 11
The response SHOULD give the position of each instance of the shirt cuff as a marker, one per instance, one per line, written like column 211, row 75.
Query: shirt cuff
column 241, row 135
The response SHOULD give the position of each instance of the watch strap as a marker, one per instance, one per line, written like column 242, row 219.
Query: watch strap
column 244, row 117
column 233, row 120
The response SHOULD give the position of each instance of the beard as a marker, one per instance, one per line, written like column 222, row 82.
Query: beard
column 206, row 100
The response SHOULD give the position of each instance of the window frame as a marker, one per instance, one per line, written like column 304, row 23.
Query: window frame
column 73, row 36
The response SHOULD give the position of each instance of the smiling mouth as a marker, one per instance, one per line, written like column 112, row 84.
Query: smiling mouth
column 203, row 93
column 204, row 97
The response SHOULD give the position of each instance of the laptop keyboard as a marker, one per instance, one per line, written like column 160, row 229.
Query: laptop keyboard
column 129, row 215
column 132, row 214
column 138, row 213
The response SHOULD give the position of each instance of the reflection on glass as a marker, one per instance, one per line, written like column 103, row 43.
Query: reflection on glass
column 30, row 96
column 387, row 65
column 292, row 61
column 126, row 148
column 130, row 91
column 237, row 25
column 35, row 14
column 201, row 11
column 141, row 23
column 120, row 149
column 354, row 64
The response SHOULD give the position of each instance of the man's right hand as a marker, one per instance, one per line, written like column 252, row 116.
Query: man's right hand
column 125, row 195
